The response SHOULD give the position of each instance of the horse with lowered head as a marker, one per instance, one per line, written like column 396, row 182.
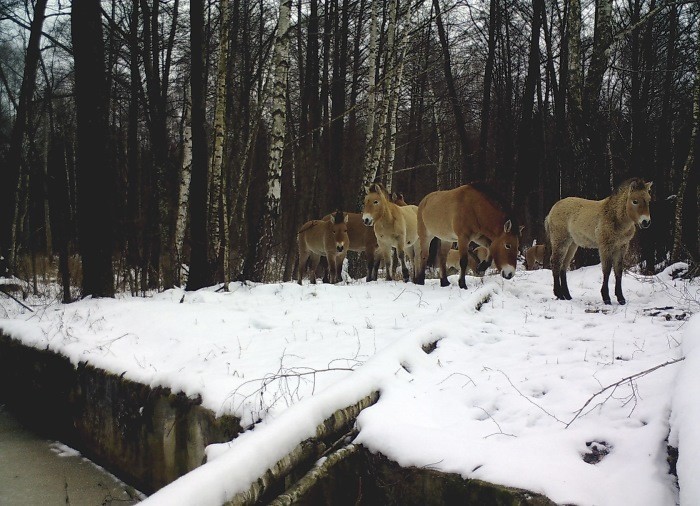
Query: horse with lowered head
column 607, row 225
column 327, row 238
column 472, row 212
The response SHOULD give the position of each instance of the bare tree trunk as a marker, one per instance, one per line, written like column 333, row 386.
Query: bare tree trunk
column 218, row 222
column 200, row 271
column 271, row 210
column 486, row 99
column 466, row 167
column 10, row 191
column 96, row 177
column 677, row 251
column 185, row 178
column 368, row 175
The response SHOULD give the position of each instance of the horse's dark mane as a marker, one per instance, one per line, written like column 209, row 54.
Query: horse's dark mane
column 497, row 200
column 338, row 217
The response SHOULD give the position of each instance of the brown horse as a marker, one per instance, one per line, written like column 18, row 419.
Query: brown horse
column 481, row 253
column 319, row 238
column 397, row 198
column 607, row 225
column 394, row 226
column 534, row 256
column 362, row 238
column 472, row 212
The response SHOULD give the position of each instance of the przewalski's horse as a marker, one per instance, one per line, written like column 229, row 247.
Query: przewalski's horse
column 472, row 212
column 327, row 238
column 533, row 256
column 481, row 253
column 394, row 226
column 397, row 198
column 607, row 225
column 362, row 238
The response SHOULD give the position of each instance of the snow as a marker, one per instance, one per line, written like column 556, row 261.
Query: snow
column 496, row 400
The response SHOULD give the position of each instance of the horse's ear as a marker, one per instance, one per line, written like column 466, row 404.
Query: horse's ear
column 507, row 226
column 522, row 227
column 648, row 185
column 347, row 217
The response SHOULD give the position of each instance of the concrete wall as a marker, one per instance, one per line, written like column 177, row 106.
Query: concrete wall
column 147, row 437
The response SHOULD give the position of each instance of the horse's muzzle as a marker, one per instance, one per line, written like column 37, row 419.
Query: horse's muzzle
column 645, row 223
column 508, row 272
column 340, row 248
column 367, row 221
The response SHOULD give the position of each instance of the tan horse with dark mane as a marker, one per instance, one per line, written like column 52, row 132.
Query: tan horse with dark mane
column 607, row 225
column 472, row 212
column 327, row 238
column 362, row 238
column 394, row 226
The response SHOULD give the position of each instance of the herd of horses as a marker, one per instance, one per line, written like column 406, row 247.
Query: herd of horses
column 484, row 229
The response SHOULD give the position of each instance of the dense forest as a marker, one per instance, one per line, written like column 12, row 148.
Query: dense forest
column 147, row 143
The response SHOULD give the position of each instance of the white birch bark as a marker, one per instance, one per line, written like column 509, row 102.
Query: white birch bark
column 185, row 176
column 677, row 252
column 277, row 134
column 218, row 226
column 368, row 175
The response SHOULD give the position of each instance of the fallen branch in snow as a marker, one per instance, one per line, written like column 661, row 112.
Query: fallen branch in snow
column 286, row 388
column 614, row 386
column 17, row 300
column 530, row 400
column 305, row 453
column 296, row 493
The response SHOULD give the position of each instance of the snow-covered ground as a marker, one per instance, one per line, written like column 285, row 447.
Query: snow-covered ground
column 500, row 399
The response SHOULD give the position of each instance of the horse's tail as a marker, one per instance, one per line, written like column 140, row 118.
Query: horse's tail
column 433, row 251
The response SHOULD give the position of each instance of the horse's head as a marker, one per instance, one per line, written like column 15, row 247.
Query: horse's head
column 638, row 198
column 397, row 198
column 339, row 228
column 375, row 202
column 503, row 250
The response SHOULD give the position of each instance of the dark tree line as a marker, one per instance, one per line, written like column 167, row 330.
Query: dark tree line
column 158, row 140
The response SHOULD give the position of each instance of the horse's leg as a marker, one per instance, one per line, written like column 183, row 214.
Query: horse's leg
column 557, row 262
column 315, row 259
column 463, row 246
column 402, row 258
column 606, row 262
column 339, row 267
column 424, row 250
column 303, row 261
column 618, row 258
column 388, row 254
column 371, row 274
column 331, row 271
column 443, row 251
column 570, row 252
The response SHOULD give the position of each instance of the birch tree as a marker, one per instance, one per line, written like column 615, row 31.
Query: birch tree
column 218, row 222
column 184, row 190
column 677, row 251
column 271, row 210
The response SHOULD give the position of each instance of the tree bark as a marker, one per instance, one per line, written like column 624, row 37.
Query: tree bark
column 454, row 99
column 96, row 178
column 677, row 251
column 15, row 155
column 200, row 271
column 271, row 211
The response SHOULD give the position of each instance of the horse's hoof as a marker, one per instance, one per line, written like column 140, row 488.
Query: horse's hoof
column 567, row 296
column 622, row 301
column 444, row 282
column 462, row 284
column 607, row 302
